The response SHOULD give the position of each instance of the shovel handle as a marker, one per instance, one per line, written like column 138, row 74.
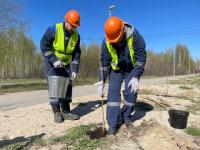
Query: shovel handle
column 103, row 113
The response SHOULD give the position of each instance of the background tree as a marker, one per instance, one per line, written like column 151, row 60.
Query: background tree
column 21, row 59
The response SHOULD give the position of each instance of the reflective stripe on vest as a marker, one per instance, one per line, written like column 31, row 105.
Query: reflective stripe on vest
column 59, row 44
column 113, row 53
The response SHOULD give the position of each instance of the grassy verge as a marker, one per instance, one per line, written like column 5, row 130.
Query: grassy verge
column 23, row 81
column 146, row 92
column 193, row 81
column 76, row 138
column 193, row 131
column 149, row 77
column 194, row 108
column 24, row 144
column 79, row 138
column 20, row 85
column 185, row 87
column 85, row 81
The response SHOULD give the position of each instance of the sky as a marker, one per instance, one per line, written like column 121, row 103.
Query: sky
column 162, row 23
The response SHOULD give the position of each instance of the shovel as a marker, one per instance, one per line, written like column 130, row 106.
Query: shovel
column 102, row 129
column 104, row 126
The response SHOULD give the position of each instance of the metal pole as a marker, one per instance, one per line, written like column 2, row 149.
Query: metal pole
column 174, row 62
column 111, row 7
column 167, row 76
column 110, row 13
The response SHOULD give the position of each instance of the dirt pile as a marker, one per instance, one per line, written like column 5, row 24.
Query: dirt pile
column 153, row 136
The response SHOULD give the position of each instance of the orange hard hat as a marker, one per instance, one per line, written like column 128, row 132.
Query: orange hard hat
column 73, row 18
column 113, row 28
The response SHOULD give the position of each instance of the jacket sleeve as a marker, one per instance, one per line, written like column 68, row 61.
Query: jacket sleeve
column 76, row 57
column 105, row 62
column 140, row 54
column 46, row 44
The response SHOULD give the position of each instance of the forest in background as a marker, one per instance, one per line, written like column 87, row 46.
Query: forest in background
column 22, row 59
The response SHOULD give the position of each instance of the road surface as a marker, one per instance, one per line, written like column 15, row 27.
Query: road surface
column 22, row 99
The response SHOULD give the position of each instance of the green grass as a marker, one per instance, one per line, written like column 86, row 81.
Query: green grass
column 14, row 146
column 36, row 141
column 23, row 81
column 193, row 131
column 194, row 108
column 85, row 81
column 176, row 82
column 145, row 91
column 75, row 138
column 149, row 77
column 20, row 85
column 194, row 81
column 79, row 138
column 185, row 87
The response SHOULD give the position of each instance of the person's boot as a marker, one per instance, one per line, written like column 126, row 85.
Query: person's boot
column 57, row 114
column 112, row 131
column 65, row 111
column 121, row 119
column 128, row 124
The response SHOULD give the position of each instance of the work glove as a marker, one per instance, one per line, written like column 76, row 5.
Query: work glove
column 101, row 87
column 134, row 85
column 74, row 75
column 58, row 64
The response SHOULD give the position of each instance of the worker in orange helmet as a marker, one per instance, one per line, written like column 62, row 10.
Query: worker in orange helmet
column 60, row 46
column 123, row 57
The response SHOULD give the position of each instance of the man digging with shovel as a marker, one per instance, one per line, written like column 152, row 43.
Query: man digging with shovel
column 123, row 57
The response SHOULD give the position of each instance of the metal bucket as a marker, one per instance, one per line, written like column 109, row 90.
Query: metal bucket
column 57, row 86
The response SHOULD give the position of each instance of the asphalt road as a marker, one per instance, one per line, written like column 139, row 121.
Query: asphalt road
column 22, row 99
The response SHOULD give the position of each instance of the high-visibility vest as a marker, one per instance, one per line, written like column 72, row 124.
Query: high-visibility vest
column 65, row 55
column 113, row 53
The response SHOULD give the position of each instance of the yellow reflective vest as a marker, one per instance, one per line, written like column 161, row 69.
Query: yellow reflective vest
column 113, row 53
column 65, row 55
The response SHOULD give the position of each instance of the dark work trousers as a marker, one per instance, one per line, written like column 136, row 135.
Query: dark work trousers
column 114, row 98
column 65, row 72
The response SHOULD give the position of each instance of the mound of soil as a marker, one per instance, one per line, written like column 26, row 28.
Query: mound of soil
column 153, row 136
